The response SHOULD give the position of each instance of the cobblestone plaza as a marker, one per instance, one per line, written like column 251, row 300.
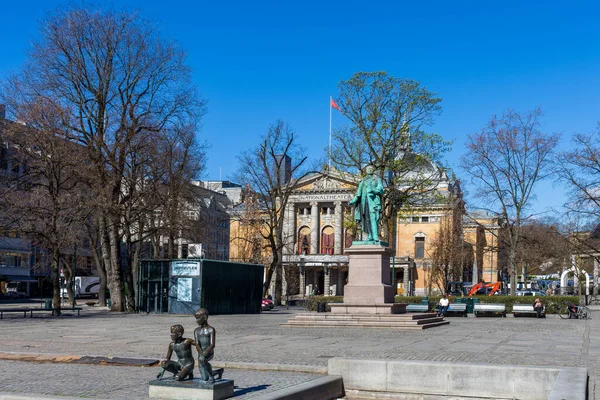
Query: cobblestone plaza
column 257, row 342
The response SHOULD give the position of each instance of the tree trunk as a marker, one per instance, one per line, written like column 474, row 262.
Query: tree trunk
column 104, row 243
column 68, row 274
column 115, row 273
column 56, row 280
column 513, row 271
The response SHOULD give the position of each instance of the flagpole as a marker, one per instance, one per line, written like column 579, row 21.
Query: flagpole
column 329, row 167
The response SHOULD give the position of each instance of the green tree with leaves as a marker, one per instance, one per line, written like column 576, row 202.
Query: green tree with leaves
column 387, row 121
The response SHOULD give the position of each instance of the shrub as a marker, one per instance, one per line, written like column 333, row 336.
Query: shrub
column 310, row 302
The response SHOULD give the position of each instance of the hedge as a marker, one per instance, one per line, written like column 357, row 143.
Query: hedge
column 553, row 303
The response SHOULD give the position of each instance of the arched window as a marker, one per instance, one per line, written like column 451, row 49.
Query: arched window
column 327, row 240
column 304, row 240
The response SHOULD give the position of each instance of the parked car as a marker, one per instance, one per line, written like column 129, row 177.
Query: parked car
column 531, row 293
column 267, row 304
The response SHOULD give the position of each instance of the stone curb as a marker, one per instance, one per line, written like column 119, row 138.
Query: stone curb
column 147, row 362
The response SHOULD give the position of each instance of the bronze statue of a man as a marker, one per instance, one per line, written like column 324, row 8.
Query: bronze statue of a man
column 183, row 368
column 367, row 202
column 205, row 345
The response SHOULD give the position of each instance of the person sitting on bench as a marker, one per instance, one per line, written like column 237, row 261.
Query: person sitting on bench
column 538, row 307
column 443, row 306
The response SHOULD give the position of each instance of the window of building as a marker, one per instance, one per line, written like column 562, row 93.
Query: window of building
column 304, row 240
column 3, row 157
column 15, row 166
column 184, row 250
column 424, row 219
column 327, row 241
column 415, row 219
column 13, row 260
column 419, row 247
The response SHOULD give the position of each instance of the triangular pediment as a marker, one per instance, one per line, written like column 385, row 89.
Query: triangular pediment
column 332, row 180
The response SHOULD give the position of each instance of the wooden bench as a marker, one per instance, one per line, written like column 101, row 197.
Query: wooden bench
column 36, row 310
column 417, row 308
column 526, row 310
column 497, row 310
column 459, row 309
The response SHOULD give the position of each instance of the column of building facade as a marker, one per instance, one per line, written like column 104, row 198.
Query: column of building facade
column 340, row 281
column 315, row 228
column 283, row 283
column 326, row 283
column 288, row 241
column 289, row 228
column 338, row 227
column 302, row 284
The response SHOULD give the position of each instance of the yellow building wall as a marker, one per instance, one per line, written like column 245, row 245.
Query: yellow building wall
column 489, row 273
column 240, row 236
column 405, row 243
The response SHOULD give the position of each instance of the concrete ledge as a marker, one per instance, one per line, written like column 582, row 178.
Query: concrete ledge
column 571, row 384
column 422, row 379
column 326, row 388
column 33, row 396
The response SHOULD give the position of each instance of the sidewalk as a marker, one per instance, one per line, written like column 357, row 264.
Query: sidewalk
column 258, row 341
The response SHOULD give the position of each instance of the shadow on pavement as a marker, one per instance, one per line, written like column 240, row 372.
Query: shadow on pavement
column 241, row 392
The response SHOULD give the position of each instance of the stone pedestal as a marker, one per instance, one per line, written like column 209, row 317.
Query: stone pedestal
column 192, row 389
column 369, row 289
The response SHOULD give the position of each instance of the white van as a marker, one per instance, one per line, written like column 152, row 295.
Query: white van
column 85, row 286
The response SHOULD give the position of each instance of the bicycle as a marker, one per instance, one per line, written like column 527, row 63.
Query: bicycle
column 581, row 312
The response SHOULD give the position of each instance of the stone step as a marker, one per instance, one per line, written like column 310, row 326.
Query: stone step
column 304, row 324
column 360, row 320
column 365, row 322
column 382, row 317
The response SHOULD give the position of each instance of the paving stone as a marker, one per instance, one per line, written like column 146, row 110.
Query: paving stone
column 260, row 339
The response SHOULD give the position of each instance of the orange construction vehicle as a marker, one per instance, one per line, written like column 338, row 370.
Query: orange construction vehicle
column 493, row 288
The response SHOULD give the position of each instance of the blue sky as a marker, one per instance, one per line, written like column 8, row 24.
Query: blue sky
column 259, row 61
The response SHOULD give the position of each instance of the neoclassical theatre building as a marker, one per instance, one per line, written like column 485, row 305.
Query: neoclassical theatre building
column 316, row 232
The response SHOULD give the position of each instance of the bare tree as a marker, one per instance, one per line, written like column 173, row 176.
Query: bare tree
column 270, row 171
column 387, row 118
column 42, row 198
column 122, row 84
column 505, row 161
column 542, row 246
column 580, row 169
column 450, row 251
